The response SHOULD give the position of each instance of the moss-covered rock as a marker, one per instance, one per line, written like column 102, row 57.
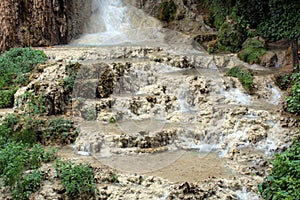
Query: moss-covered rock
column 252, row 50
column 245, row 77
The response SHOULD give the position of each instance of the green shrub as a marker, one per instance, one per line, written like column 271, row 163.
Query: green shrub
column 167, row 11
column 77, row 179
column 283, row 81
column 59, row 130
column 30, row 183
column 293, row 100
column 244, row 76
column 283, row 182
column 69, row 81
column 290, row 81
column 252, row 50
column 50, row 155
column 16, row 62
column 15, row 67
column 15, row 159
column 31, row 130
column 35, row 104
column 217, row 12
column 7, row 98
column 26, row 129
column 230, row 38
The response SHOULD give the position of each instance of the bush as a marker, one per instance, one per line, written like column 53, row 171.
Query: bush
column 7, row 98
column 69, row 81
column 293, row 100
column 59, row 130
column 15, row 67
column 230, row 37
column 31, row 130
column 253, row 49
column 292, row 82
column 18, row 61
column 283, row 81
column 244, row 76
column 30, row 183
column 77, row 179
column 283, row 182
column 167, row 11
column 15, row 159
column 34, row 104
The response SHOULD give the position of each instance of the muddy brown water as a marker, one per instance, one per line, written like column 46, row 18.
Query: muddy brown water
column 175, row 166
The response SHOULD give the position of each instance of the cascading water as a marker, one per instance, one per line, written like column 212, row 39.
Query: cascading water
column 112, row 22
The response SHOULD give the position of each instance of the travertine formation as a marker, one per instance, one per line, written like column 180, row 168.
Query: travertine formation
column 142, row 101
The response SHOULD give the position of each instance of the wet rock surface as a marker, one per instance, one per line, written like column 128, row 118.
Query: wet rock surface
column 148, row 109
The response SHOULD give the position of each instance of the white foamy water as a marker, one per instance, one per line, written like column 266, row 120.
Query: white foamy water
column 112, row 22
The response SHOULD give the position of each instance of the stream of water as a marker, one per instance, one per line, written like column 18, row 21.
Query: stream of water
column 191, row 119
column 112, row 22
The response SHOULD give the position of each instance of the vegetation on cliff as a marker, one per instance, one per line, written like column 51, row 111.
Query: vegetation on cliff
column 291, row 83
column 272, row 19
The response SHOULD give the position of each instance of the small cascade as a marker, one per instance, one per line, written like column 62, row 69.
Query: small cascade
column 182, row 99
column 276, row 94
column 112, row 22
column 244, row 195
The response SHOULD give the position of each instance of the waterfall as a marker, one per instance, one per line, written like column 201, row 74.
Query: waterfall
column 113, row 22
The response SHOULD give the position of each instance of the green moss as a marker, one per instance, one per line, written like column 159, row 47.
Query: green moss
column 252, row 50
column 167, row 11
column 244, row 76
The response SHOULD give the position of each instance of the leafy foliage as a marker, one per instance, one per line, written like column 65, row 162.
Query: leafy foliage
column 273, row 19
column 253, row 49
column 28, row 184
column 7, row 98
column 59, row 130
column 291, row 82
column 284, row 180
column 15, row 159
column 69, row 81
column 283, row 81
column 218, row 11
column 35, row 104
column 244, row 76
column 77, row 179
column 230, row 37
column 293, row 100
column 15, row 67
column 167, row 11
column 281, row 21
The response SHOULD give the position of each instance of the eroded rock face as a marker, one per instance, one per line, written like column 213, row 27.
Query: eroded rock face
column 187, row 17
column 41, row 23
